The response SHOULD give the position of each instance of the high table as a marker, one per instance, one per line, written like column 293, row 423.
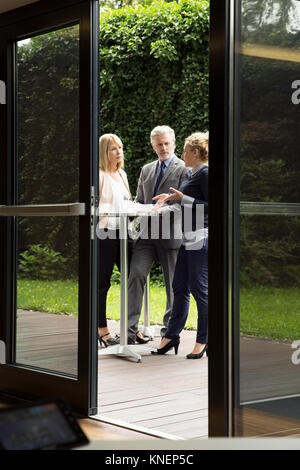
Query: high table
column 146, row 328
column 125, row 349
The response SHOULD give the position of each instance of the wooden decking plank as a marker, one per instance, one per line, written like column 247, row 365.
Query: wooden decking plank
column 191, row 429
column 177, row 406
column 155, row 410
column 167, row 393
column 178, row 417
column 147, row 398
column 274, row 375
column 143, row 390
column 128, row 391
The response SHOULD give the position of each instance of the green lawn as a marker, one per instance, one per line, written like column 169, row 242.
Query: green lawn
column 48, row 296
column 270, row 312
column 265, row 311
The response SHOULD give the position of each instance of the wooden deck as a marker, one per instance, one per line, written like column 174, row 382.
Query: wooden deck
column 165, row 394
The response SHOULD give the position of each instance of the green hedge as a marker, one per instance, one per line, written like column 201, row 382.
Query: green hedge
column 153, row 70
column 48, row 142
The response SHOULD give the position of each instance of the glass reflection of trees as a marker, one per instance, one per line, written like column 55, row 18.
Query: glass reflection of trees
column 270, row 130
column 48, row 137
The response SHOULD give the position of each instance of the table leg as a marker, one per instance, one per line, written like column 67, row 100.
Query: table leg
column 124, row 349
column 146, row 328
column 124, row 280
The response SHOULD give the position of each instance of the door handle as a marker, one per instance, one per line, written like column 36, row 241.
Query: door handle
column 39, row 210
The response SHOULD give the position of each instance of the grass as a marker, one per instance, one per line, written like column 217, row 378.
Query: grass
column 157, row 306
column 59, row 297
column 270, row 312
column 265, row 311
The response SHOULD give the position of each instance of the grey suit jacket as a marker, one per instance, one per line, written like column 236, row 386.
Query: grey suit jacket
column 173, row 177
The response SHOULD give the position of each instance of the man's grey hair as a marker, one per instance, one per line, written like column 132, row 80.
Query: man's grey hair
column 160, row 130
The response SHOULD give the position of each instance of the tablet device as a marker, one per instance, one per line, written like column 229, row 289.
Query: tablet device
column 42, row 425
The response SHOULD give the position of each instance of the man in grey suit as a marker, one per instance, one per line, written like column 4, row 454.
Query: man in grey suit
column 155, row 178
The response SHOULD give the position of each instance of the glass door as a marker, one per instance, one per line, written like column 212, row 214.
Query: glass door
column 267, row 223
column 49, row 153
column 254, row 386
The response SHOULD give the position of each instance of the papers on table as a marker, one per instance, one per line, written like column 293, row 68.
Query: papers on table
column 129, row 208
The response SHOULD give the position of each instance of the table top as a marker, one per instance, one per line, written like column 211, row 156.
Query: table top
column 129, row 209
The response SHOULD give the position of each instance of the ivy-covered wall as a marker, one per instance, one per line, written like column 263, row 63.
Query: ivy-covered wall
column 153, row 71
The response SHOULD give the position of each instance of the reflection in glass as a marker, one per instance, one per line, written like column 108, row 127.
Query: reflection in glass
column 47, row 301
column 47, row 94
column 267, row 399
column 269, row 306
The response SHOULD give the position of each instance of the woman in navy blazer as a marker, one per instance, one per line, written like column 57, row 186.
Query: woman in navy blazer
column 191, row 272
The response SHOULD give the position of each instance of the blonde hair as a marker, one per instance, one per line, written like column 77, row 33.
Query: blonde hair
column 199, row 141
column 105, row 142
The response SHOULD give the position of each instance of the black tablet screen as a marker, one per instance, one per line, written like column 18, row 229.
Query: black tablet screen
column 35, row 427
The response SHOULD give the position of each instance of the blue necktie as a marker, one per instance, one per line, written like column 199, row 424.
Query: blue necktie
column 159, row 178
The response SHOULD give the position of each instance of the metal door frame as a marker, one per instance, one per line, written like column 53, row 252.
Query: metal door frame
column 222, row 209
column 22, row 381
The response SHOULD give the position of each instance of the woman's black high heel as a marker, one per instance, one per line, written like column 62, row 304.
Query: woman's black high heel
column 109, row 341
column 199, row 355
column 174, row 343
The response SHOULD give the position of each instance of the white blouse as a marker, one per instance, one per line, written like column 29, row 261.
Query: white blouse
column 112, row 195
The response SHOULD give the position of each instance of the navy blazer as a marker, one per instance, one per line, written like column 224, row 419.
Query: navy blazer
column 197, row 188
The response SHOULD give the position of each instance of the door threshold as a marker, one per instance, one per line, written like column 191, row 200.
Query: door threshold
column 133, row 427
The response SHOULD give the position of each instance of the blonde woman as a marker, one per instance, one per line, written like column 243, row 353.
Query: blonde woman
column 191, row 272
column 113, row 190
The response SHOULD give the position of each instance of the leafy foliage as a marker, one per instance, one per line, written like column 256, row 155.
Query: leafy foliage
column 270, row 130
column 41, row 262
column 154, row 70
column 48, row 134
column 269, row 21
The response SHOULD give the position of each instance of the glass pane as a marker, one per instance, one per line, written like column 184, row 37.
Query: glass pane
column 269, row 297
column 47, row 294
column 269, row 306
column 48, row 173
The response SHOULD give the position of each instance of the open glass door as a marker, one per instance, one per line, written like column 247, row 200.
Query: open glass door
column 267, row 221
column 49, row 161
column 255, row 253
